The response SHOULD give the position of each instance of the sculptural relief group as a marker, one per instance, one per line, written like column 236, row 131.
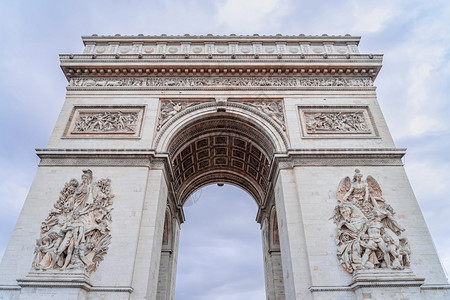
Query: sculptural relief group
column 76, row 234
column 368, row 234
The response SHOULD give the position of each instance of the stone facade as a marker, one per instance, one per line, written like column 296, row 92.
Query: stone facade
column 150, row 119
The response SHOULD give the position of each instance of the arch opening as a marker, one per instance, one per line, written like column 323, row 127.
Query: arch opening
column 221, row 148
column 220, row 250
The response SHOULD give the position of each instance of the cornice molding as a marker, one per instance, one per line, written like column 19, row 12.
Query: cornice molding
column 103, row 157
column 83, row 65
column 215, row 58
column 335, row 157
column 211, row 37
column 292, row 158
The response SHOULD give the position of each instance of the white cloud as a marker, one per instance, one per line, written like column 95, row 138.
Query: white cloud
column 371, row 17
column 416, row 64
column 421, row 124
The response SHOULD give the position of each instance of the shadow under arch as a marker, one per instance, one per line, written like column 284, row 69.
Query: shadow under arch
column 221, row 142
column 222, row 177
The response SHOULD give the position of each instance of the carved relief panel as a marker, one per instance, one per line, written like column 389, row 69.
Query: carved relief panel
column 368, row 235
column 76, row 233
column 168, row 109
column 273, row 109
column 105, row 121
column 336, row 122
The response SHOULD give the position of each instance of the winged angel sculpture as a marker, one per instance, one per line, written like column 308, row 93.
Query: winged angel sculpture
column 76, row 234
column 368, row 235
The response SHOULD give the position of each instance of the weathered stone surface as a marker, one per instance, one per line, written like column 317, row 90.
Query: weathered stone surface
column 284, row 118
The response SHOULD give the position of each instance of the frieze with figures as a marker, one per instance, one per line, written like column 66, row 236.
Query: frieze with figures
column 210, row 81
column 336, row 122
column 105, row 121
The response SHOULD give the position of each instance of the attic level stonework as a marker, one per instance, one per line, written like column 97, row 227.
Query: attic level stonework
column 221, row 45
column 240, row 59
column 149, row 120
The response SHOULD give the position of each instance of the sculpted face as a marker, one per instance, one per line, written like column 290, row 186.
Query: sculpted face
column 98, row 215
column 346, row 212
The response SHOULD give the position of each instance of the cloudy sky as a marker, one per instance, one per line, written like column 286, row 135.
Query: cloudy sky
column 413, row 91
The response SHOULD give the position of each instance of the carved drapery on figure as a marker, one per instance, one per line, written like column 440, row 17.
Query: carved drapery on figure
column 76, row 234
column 106, row 122
column 273, row 109
column 170, row 109
column 368, row 235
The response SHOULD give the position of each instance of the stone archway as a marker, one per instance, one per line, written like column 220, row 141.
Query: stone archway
column 222, row 143
column 148, row 119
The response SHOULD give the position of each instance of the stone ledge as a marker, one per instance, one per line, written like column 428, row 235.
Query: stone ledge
column 219, row 88
column 5, row 287
column 385, row 278
column 151, row 152
column 376, row 279
column 72, row 279
column 435, row 287
column 149, row 158
column 338, row 157
column 165, row 68
column 344, row 151
column 330, row 289
column 95, row 37
column 65, row 280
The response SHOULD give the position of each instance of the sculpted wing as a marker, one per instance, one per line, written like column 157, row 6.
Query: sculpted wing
column 337, row 217
column 344, row 187
column 374, row 188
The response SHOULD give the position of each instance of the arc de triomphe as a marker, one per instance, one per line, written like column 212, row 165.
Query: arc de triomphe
column 292, row 120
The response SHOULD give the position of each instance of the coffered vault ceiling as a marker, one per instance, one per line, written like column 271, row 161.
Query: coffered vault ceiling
column 221, row 149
